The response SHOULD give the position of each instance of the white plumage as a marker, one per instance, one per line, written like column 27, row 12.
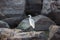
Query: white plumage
column 31, row 21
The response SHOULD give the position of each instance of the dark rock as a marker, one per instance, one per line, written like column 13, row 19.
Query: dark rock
column 2, row 16
column 54, row 33
column 55, row 14
column 33, row 7
column 41, row 23
column 5, row 34
column 4, row 24
column 14, row 21
column 55, row 6
column 12, row 7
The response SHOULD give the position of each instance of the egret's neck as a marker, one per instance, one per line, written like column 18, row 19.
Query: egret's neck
column 30, row 16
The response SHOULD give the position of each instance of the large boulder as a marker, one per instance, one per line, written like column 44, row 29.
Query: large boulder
column 13, row 21
column 55, row 14
column 41, row 23
column 54, row 33
column 33, row 7
column 12, row 35
column 46, row 7
column 12, row 7
column 4, row 24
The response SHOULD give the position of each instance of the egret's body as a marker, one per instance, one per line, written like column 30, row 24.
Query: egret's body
column 32, row 22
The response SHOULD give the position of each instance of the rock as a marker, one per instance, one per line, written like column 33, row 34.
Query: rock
column 12, row 7
column 14, row 21
column 54, row 33
column 2, row 16
column 33, row 7
column 50, row 6
column 30, row 36
column 5, row 33
column 46, row 7
column 55, row 14
column 41, row 23
column 4, row 24
column 11, row 35
column 14, row 15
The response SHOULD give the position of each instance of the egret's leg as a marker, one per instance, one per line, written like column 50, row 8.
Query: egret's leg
column 33, row 31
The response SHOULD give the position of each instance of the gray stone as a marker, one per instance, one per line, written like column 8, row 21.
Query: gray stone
column 41, row 23
column 55, row 14
column 55, row 6
column 54, row 33
column 46, row 9
column 4, row 24
column 12, row 7
column 12, row 35
column 50, row 6
column 14, row 21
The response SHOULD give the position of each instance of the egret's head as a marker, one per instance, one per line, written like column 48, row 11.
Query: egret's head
column 29, row 15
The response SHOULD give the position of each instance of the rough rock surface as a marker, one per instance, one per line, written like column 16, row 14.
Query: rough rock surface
column 13, row 21
column 13, row 35
column 46, row 7
column 41, row 23
column 55, row 6
column 54, row 33
column 10, row 7
column 55, row 14
column 4, row 24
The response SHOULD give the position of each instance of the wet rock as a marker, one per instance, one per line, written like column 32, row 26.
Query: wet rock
column 14, row 15
column 12, row 7
column 54, row 32
column 41, row 23
column 12, row 35
column 4, row 24
column 14, row 21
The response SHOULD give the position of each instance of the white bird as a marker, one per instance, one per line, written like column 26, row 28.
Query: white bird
column 31, row 21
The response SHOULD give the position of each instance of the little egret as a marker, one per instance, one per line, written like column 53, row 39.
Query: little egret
column 31, row 21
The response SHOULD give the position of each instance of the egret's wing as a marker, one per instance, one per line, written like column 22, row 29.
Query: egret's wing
column 32, row 23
